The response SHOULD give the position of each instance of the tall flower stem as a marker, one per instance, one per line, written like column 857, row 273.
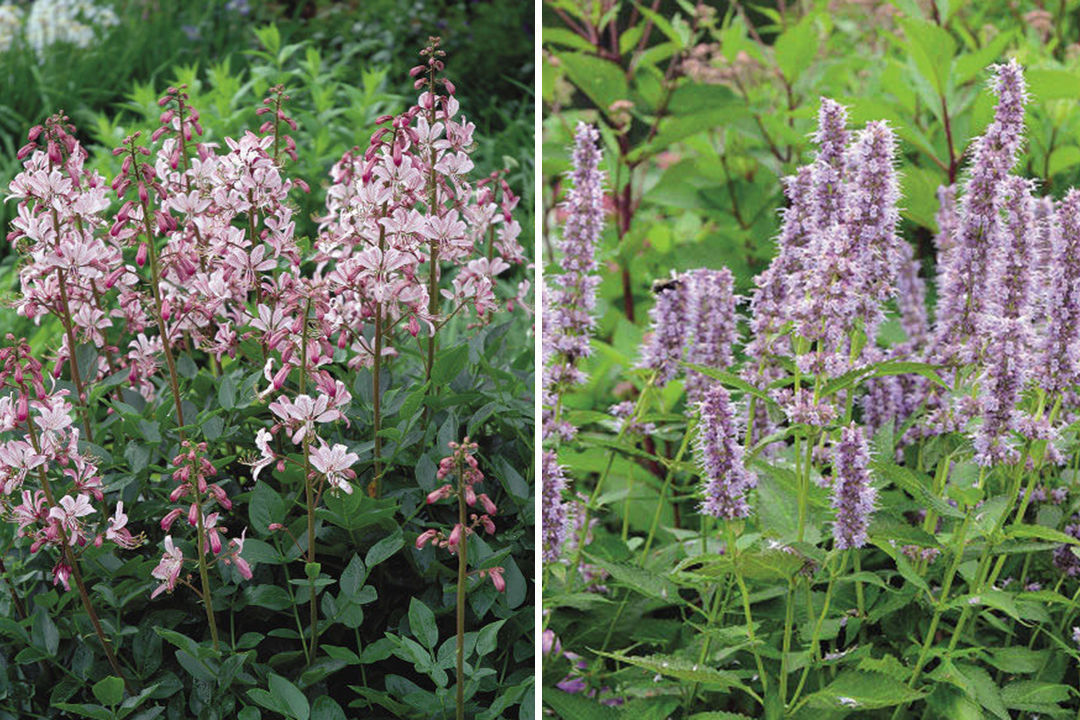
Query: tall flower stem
column 663, row 493
column 463, row 547
column 815, row 636
column 733, row 550
column 939, row 610
column 376, row 402
column 174, row 386
column 204, row 577
column 69, row 331
column 607, row 469
column 76, row 572
column 309, row 496
column 433, row 208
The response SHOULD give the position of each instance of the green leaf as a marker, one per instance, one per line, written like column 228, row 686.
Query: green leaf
column 227, row 392
column 448, row 364
column 577, row 707
column 796, row 48
column 1034, row 696
column 422, row 623
column 488, row 638
column 855, row 690
column 1039, row 532
column 1049, row 84
column 915, row 485
column 602, row 81
column 679, row 668
column 384, row 549
column 86, row 357
column 109, row 691
column 729, row 379
column 326, row 708
column 638, row 579
column 289, row 697
column 91, row 711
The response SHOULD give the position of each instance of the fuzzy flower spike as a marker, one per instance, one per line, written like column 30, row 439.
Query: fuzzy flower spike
column 720, row 457
column 853, row 496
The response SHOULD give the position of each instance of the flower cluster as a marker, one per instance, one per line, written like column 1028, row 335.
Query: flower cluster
column 463, row 465
column 191, row 476
column 52, row 491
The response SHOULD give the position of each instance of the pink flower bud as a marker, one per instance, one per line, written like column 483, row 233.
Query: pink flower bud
column 455, row 538
column 489, row 525
column 168, row 520
column 54, row 153
column 425, row 537
column 280, row 377
column 497, row 580
column 113, row 277
column 140, row 255
column 416, row 70
column 26, row 150
column 35, row 133
column 440, row 494
column 489, row 507
column 22, row 410
column 274, row 527
column 414, row 326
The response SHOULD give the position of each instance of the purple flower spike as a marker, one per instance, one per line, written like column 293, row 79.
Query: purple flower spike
column 1009, row 291
column 553, row 507
column 779, row 288
column 712, row 318
column 828, row 167
column 961, row 305
column 911, row 296
column 571, row 296
column 721, row 459
column 1060, row 361
column 664, row 347
column 871, row 216
column 853, row 496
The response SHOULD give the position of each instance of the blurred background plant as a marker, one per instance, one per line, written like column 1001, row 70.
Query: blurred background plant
column 705, row 107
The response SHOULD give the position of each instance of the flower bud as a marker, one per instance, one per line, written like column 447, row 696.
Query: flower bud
column 140, row 255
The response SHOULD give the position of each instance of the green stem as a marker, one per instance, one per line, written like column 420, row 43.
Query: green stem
column 731, row 548
column 815, row 636
column 462, row 571
column 663, row 493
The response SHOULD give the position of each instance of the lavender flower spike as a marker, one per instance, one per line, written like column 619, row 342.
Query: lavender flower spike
column 779, row 287
column 853, row 496
column 663, row 349
column 871, row 216
column 1060, row 366
column 571, row 296
column 961, row 303
column 721, row 459
column 828, row 167
column 712, row 318
column 553, row 507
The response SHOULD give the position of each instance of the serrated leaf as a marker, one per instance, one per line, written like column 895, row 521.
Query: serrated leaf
column 855, row 690
column 678, row 668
